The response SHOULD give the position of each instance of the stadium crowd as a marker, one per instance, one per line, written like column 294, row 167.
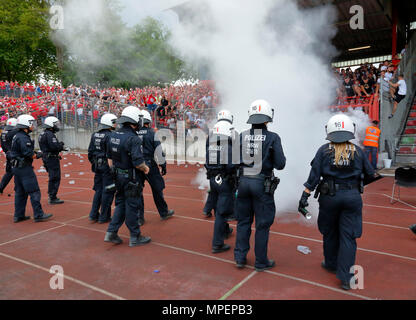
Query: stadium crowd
column 358, row 85
column 194, row 103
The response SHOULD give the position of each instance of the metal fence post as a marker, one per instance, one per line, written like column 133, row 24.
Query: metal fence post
column 76, row 115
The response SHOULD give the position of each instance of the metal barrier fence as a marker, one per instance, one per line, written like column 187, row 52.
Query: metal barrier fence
column 369, row 105
column 22, row 92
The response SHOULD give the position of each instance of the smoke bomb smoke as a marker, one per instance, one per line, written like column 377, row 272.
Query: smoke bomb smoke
column 275, row 51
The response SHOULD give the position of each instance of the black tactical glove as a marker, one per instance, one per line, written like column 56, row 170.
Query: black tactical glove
column 164, row 170
column 63, row 148
column 303, row 202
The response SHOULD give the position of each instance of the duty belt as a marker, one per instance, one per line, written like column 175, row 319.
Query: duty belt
column 256, row 176
column 51, row 155
column 346, row 186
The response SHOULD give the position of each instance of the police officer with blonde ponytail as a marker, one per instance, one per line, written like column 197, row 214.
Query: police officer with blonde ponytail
column 342, row 166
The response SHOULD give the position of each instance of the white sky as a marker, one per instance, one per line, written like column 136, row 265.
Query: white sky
column 135, row 10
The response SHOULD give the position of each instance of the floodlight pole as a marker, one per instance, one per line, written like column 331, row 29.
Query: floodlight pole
column 394, row 30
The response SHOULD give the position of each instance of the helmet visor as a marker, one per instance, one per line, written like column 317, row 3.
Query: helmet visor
column 340, row 136
column 258, row 119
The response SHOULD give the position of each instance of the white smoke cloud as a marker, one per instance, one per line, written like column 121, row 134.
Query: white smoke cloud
column 269, row 50
column 133, row 11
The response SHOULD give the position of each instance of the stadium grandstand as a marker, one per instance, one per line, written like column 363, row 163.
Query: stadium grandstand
column 374, row 71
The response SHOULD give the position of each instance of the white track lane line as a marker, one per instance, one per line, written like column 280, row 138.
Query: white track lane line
column 82, row 283
column 233, row 262
column 238, row 286
column 205, row 255
column 390, row 208
column 390, row 197
column 43, row 188
column 62, row 224
column 166, row 246
column 284, row 234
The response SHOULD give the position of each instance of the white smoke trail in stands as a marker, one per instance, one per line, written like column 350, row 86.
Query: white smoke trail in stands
column 269, row 50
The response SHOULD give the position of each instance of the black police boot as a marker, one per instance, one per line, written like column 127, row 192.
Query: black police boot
column 323, row 265
column 43, row 218
column 345, row 285
column 55, row 201
column 228, row 233
column 218, row 249
column 104, row 221
column 93, row 220
column 270, row 264
column 112, row 237
column 413, row 228
column 240, row 264
column 207, row 214
column 139, row 241
column 168, row 215
column 141, row 221
column 20, row 219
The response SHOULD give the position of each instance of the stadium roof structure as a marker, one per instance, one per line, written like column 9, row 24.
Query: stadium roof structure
column 386, row 26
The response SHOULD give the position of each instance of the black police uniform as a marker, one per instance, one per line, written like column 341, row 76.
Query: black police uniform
column 25, row 181
column 252, row 200
column 51, row 147
column 340, row 205
column 156, row 181
column 6, row 144
column 212, row 198
column 103, row 197
column 221, row 173
column 125, row 150
column 210, row 204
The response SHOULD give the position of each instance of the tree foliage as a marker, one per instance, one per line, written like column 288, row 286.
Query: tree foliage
column 107, row 52
column 130, row 57
column 26, row 50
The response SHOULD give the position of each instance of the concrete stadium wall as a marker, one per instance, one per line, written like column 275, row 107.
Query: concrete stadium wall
column 177, row 148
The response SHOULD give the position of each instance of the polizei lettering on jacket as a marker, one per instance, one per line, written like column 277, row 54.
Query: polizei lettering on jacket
column 256, row 137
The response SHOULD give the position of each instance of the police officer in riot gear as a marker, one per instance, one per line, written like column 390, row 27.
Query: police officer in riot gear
column 124, row 153
column 51, row 147
column 221, row 173
column 152, row 149
column 261, row 152
column 6, row 144
column 25, row 183
column 342, row 166
column 226, row 117
column 103, row 178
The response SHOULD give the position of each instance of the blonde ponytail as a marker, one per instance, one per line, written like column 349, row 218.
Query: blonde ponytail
column 344, row 152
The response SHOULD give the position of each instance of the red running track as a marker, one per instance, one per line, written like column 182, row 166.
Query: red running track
column 181, row 249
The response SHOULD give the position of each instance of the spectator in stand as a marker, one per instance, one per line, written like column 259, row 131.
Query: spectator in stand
column 348, row 87
column 384, row 85
column 367, row 85
column 400, row 93
column 384, row 66
column 389, row 74
column 356, row 85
